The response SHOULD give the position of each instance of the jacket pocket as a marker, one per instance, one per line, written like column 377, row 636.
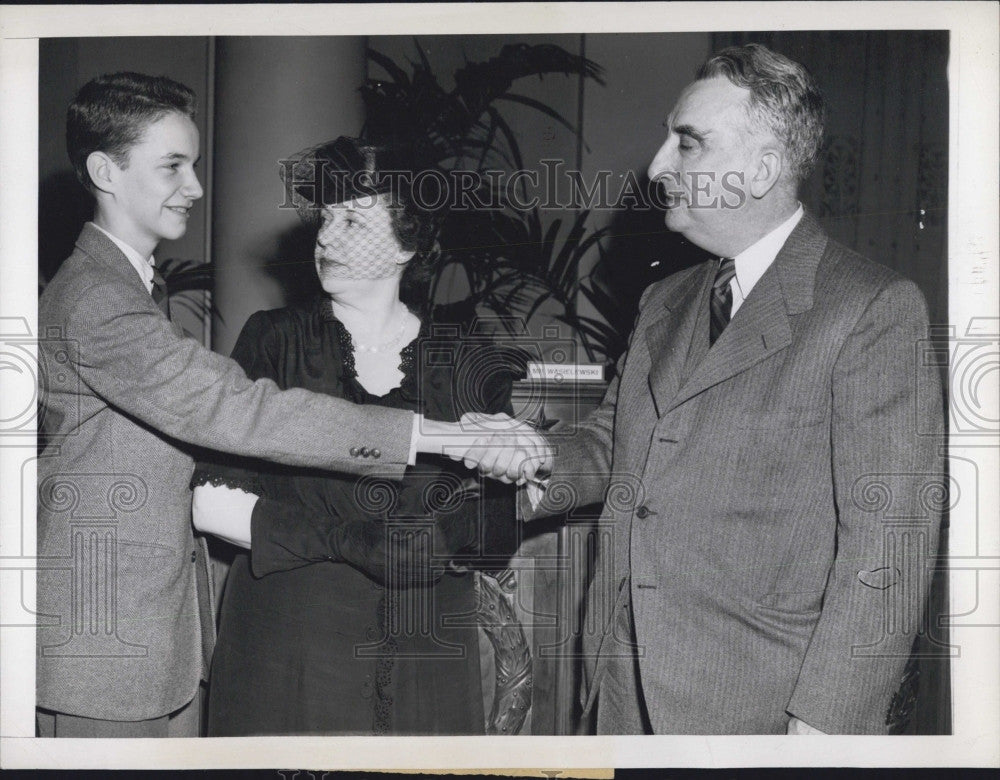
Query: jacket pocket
column 131, row 549
column 792, row 603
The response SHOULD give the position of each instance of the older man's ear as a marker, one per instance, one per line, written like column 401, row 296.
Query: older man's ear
column 767, row 172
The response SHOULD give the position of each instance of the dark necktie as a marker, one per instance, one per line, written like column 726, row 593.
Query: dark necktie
column 721, row 305
column 160, row 297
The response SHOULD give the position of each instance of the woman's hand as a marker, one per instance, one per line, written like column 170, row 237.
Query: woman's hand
column 224, row 512
column 392, row 555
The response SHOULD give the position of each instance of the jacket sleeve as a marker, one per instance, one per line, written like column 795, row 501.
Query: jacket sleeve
column 255, row 352
column 132, row 357
column 889, row 487
column 581, row 470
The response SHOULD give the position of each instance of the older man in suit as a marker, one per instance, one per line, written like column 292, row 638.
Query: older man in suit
column 770, row 575
column 125, row 612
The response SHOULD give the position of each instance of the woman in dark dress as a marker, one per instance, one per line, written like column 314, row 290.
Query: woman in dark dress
column 353, row 611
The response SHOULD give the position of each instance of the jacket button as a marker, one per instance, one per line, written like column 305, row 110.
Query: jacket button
column 364, row 452
column 194, row 556
column 643, row 512
column 355, row 452
column 376, row 453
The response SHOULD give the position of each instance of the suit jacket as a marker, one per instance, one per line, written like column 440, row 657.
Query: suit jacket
column 125, row 620
column 774, row 500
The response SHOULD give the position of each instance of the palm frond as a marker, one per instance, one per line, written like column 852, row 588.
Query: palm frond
column 395, row 72
column 182, row 275
column 480, row 83
column 512, row 263
column 189, row 276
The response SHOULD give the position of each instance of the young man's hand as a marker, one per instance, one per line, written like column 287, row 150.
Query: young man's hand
column 512, row 451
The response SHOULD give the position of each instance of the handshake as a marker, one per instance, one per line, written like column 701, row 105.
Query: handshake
column 498, row 445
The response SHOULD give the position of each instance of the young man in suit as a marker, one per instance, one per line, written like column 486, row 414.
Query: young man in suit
column 771, row 574
column 125, row 613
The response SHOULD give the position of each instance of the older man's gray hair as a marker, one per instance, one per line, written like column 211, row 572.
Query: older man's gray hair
column 784, row 100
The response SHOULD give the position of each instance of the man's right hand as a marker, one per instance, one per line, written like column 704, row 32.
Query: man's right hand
column 498, row 445
column 514, row 451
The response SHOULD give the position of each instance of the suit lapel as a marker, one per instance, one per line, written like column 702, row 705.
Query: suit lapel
column 669, row 337
column 758, row 330
column 762, row 327
column 93, row 242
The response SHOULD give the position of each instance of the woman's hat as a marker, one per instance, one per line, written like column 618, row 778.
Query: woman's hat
column 335, row 171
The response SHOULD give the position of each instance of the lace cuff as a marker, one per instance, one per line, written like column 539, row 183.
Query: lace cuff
column 234, row 478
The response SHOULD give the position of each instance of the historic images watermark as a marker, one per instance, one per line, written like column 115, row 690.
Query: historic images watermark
column 552, row 186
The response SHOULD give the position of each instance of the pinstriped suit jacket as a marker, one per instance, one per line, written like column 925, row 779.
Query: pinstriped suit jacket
column 123, row 623
column 779, row 544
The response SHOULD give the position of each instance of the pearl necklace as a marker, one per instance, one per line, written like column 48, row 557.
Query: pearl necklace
column 383, row 346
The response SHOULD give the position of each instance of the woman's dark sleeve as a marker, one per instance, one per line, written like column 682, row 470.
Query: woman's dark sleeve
column 296, row 516
column 288, row 535
column 447, row 401
column 482, row 531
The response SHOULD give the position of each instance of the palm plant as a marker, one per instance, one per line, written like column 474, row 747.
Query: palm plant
column 186, row 275
column 456, row 128
column 549, row 270
column 190, row 276
column 510, row 262
column 606, row 335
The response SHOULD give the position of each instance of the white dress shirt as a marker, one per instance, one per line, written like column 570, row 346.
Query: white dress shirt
column 142, row 265
column 753, row 261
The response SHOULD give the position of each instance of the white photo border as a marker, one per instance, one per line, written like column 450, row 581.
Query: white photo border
column 974, row 293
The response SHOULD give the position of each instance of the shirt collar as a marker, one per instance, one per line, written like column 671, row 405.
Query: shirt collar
column 142, row 265
column 753, row 261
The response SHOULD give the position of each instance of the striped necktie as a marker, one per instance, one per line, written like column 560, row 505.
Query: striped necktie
column 160, row 296
column 721, row 304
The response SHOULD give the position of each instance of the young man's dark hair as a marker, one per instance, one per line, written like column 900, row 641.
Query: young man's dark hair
column 111, row 112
